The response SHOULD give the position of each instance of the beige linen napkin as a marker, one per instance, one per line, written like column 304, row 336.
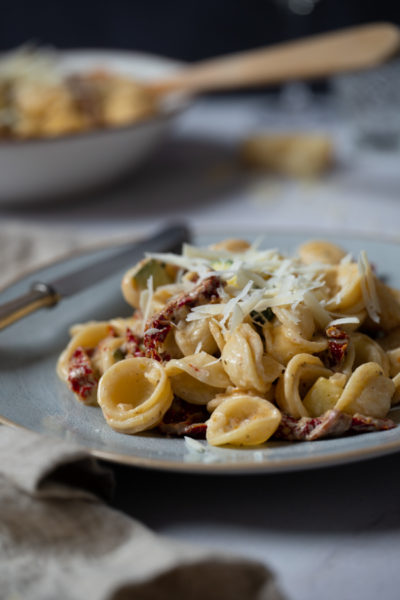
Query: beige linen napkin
column 25, row 246
column 59, row 541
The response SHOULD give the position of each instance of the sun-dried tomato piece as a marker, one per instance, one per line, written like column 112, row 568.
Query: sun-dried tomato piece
column 336, row 333
column 82, row 378
column 196, row 430
column 332, row 423
column 184, row 419
column 364, row 424
column 338, row 342
column 160, row 324
column 133, row 345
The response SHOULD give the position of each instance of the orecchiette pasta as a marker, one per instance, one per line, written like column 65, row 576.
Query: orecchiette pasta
column 396, row 395
column 246, row 363
column 87, row 335
column 321, row 251
column 195, row 335
column 368, row 392
column 238, row 345
column 324, row 394
column 197, row 378
column 301, row 372
column 367, row 350
column 134, row 394
column 242, row 419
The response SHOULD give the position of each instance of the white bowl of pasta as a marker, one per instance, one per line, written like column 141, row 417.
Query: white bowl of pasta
column 79, row 123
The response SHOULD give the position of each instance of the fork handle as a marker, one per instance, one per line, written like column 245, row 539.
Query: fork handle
column 39, row 296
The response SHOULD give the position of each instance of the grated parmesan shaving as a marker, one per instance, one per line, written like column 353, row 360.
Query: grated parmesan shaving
column 344, row 321
column 347, row 259
column 213, row 362
column 229, row 306
column 368, row 288
column 194, row 445
column 254, row 280
column 150, row 293
column 176, row 259
column 151, row 331
column 320, row 314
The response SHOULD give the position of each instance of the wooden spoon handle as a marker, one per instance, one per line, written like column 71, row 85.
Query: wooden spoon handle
column 317, row 56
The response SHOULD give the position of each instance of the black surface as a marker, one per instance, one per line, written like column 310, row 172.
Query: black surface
column 351, row 498
column 185, row 29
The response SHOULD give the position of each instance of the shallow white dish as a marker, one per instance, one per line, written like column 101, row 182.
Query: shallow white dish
column 31, row 395
column 42, row 169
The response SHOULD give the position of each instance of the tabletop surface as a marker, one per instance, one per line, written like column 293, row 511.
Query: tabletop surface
column 329, row 533
column 195, row 174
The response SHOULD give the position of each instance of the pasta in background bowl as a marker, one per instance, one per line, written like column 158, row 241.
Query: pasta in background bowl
column 74, row 120
column 242, row 345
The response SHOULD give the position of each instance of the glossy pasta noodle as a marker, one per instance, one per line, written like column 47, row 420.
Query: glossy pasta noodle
column 241, row 345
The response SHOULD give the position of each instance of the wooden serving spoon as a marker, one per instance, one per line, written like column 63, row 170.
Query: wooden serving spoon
column 350, row 49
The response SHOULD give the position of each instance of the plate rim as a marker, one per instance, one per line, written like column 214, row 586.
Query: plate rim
column 336, row 458
column 242, row 468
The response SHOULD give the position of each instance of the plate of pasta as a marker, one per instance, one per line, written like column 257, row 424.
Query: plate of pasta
column 233, row 356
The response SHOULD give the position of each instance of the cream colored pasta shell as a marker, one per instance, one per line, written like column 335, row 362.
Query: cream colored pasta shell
column 216, row 332
column 321, row 252
column 216, row 401
column 135, row 281
column 120, row 325
column 389, row 305
column 346, row 365
column 163, row 294
column 324, row 394
column 394, row 361
column 190, row 335
column 302, row 369
column 299, row 321
column 282, row 344
column 232, row 245
column 197, row 378
column 104, row 355
column 244, row 361
column 391, row 344
column 88, row 336
column 367, row 392
column 131, row 291
column 391, row 340
column 134, row 394
column 242, row 420
column 367, row 350
column 396, row 395
column 345, row 283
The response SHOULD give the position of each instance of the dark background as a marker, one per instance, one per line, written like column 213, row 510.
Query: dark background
column 184, row 29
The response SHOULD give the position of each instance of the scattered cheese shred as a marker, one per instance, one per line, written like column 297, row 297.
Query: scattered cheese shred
column 320, row 314
column 194, row 445
column 344, row 321
column 255, row 280
column 368, row 288
column 148, row 299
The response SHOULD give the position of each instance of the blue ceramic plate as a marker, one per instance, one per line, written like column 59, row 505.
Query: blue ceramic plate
column 31, row 395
